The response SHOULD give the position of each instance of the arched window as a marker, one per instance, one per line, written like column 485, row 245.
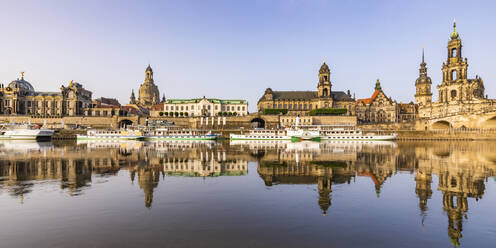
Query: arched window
column 325, row 78
column 454, row 75
column 453, row 94
column 324, row 92
column 453, row 52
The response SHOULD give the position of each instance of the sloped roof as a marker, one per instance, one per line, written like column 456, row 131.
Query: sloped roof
column 308, row 95
column 369, row 100
column 157, row 107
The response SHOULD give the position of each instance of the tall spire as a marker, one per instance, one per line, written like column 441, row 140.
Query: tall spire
column 423, row 54
column 454, row 34
column 132, row 99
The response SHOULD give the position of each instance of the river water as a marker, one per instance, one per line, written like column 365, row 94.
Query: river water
column 248, row 194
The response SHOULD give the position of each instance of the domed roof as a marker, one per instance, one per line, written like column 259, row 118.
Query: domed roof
column 21, row 84
column 454, row 34
column 324, row 68
column 423, row 80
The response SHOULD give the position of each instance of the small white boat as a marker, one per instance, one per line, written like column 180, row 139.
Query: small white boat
column 24, row 132
column 112, row 135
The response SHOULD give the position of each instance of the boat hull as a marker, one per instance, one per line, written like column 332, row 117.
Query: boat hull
column 86, row 137
column 187, row 137
column 35, row 134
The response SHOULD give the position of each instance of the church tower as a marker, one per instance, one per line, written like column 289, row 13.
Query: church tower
column 324, row 86
column 423, row 95
column 148, row 94
column 454, row 71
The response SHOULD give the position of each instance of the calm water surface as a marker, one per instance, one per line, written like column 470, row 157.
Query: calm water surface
column 248, row 194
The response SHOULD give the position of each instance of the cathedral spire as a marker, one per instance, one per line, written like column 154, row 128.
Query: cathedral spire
column 454, row 34
column 132, row 99
column 423, row 54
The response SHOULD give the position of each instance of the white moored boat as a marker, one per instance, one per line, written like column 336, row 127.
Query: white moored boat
column 24, row 132
column 315, row 133
column 112, row 135
column 179, row 134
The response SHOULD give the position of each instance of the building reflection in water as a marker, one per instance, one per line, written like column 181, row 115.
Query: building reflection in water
column 462, row 170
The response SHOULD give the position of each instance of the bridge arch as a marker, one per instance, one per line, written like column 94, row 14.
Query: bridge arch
column 125, row 123
column 441, row 125
column 257, row 123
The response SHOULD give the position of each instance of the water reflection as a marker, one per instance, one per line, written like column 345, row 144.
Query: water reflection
column 462, row 169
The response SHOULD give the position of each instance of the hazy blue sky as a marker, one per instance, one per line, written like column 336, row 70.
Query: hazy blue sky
column 236, row 49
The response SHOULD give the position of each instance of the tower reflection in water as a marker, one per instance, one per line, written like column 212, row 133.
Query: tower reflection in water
column 462, row 169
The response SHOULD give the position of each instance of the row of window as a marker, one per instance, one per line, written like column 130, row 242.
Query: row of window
column 216, row 107
column 293, row 106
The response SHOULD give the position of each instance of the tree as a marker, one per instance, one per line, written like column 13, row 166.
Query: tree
column 161, row 113
column 166, row 113
column 176, row 114
column 186, row 114
column 171, row 114
column 235, row 113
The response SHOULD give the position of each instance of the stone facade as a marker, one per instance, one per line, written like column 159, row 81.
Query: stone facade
column 377, row 109
column 458, row 95
column 204, row 107
column 148, row 93
column 20, row 98
column 301, row 102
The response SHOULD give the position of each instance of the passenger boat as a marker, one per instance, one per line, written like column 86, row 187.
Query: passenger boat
column 124, row 134
column 179, row 134
column 24, row 132
column 314, row 133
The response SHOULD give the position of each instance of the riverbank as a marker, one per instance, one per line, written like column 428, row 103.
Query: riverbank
column 67, row 134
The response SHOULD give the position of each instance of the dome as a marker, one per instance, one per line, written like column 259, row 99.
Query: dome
column 423, row 80
column 21, row 84
column 324, row 68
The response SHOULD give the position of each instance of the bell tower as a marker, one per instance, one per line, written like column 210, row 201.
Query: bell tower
column 423, row 95
column 455, row 69
column 324, row 86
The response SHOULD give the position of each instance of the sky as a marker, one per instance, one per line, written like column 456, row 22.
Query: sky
column 236, row 49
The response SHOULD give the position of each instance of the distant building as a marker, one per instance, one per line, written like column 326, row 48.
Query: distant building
column 148, row 94
column 20, row 98
column 301, row 102
column 377, row 109
column 382, row 109
column 205, row 107
column 458, row 95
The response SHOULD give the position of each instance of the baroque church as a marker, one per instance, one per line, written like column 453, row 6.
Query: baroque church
column 301, row 102
column 148, row 94
column 457, row 94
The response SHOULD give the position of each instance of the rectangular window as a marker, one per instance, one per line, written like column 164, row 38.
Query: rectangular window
column 310, row 107
column 285, row 106
column 238, row 108
column 304, row 106
column 299, row 106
